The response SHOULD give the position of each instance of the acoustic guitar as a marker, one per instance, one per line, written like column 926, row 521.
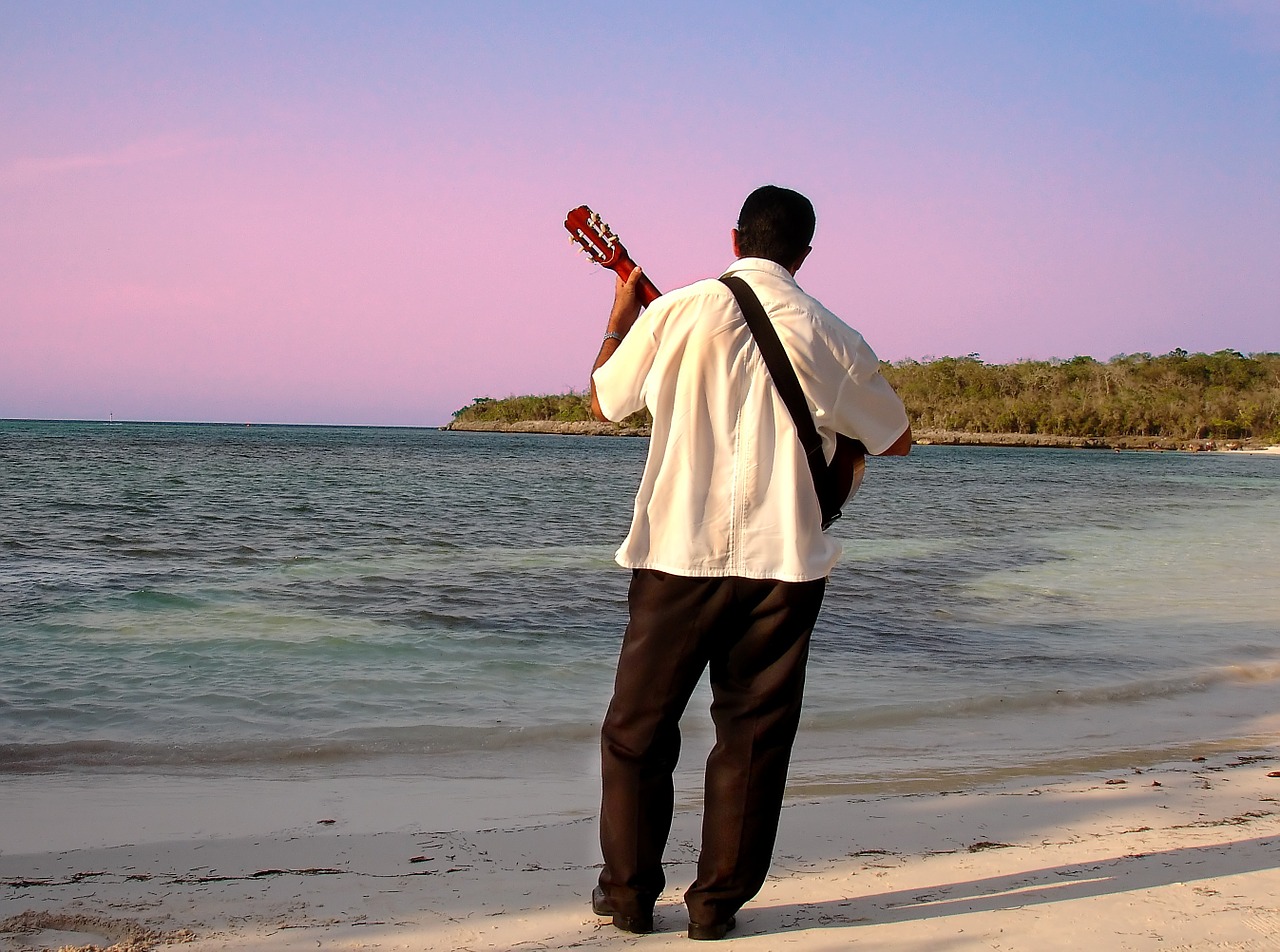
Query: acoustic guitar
column 602, row 245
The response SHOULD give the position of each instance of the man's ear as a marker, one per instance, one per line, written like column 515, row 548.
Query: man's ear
column 799, row 261
column 736, row 252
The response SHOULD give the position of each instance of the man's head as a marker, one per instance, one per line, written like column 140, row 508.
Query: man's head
column 775, row 223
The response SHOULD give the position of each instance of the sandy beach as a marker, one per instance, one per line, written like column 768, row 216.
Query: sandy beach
column 1182, row 855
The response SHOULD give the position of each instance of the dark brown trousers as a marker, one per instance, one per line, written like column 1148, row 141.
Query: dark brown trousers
column 754, row 635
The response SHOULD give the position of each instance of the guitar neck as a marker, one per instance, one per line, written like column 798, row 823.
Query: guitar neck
column 647, row 290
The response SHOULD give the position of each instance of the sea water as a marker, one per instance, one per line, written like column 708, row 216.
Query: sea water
column 274, row 601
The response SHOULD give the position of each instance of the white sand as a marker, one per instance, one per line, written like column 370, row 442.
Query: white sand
column 1255, row 450
column 1181, row 856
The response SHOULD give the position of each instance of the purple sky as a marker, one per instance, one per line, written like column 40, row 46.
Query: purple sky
column 351, row 213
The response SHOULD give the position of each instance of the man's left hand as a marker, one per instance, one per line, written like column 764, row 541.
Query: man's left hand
column 626, row 303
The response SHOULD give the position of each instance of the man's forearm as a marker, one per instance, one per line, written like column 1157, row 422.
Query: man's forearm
column 626, row 308
column 607, row 347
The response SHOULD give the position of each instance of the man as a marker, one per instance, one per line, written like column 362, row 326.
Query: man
column 729, row 562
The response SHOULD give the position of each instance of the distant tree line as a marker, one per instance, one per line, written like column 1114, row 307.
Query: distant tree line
column 1182, row 396
column 1224, row 395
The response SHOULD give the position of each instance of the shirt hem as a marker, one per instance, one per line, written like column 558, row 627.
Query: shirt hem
column 718, row 572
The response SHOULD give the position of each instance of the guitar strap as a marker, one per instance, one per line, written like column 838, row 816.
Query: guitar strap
column 784, row 378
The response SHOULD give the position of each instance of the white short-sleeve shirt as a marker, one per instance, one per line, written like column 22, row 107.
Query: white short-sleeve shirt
column 726, row 490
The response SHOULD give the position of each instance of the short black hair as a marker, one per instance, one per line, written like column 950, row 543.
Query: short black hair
column 775, row 223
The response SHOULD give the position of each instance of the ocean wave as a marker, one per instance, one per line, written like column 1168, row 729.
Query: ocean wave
column 151, row 599
column 419, row 744
column 1046, row 700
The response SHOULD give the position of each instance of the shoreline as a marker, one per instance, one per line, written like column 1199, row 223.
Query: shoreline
column 927, row 437
column 1177, row 855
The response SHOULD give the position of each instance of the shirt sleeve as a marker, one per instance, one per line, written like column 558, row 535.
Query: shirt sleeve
column 872, row 411
column 620, row 381
column 866, row 405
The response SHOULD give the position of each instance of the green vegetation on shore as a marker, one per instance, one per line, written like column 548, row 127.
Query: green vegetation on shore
column 1179, row 396
column 1182, row 396
column 572, row 407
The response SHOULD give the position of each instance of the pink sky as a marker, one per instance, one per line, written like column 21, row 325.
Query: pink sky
column 312, row 213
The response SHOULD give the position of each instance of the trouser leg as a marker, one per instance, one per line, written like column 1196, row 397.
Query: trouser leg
column 757, row 682
column 664, row 652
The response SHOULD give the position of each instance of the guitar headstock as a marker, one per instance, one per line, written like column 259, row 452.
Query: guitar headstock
column 589, row 232
column 595, row 237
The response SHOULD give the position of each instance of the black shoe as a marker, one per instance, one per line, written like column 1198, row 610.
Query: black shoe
column 712, row 932
column 640, row 924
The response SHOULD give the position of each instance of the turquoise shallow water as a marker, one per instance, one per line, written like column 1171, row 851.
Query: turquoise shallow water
column 293, row 600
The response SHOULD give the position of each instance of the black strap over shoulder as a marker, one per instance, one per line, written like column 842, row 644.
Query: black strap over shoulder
column 784, row 378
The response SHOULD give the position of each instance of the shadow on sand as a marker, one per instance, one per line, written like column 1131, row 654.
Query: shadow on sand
column 1027, row 888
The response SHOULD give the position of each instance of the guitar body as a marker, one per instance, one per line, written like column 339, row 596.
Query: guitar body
column 602, row 246
column 847, row 467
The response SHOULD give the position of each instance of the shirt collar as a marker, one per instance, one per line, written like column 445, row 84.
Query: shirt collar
column 764, row 265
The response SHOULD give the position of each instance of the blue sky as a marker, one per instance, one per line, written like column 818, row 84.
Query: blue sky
column 340, row 212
